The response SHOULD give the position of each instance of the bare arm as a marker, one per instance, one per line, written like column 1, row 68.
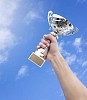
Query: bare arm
column 72, row 87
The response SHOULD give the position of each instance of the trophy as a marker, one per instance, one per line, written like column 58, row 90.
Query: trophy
column 60, row 26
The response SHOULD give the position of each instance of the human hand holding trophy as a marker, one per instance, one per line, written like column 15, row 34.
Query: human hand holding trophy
column 60, row 26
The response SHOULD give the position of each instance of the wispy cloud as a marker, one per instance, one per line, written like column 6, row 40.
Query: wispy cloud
column 7, row 10
column 23, row 71
column 64, row 52
column 32, row 16
column 70, row 59
column 50, row 71
column 61, row 44
column 84, row 64
column 77, row 43
column 60, row 93
column 81, row 1
column 83, row 73
column 3, row 57
column 7, row 38
column 34, row 13
column 7, row 41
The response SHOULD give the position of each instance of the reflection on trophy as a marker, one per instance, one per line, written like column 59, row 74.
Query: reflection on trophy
column 60, row 26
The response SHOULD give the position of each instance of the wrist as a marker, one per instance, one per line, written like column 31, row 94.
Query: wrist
column 55, row 56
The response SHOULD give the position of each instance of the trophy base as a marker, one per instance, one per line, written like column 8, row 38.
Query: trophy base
column 36, row 59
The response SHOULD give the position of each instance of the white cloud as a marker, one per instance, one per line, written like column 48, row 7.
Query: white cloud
column 7, row 10
column 7, row 41
column 61, row 44
column 71, row 59
column 34, row 13
column 32, row 16
column 64, row 52
column 84, row 63
column 3, row 57
column 81, row 1
column 23, row 71
column 7, row 38
column 77, row 43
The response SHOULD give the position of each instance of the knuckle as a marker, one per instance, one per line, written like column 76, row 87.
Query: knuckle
column 42, row 40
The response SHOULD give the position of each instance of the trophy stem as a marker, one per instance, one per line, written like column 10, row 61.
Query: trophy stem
column 39, row 56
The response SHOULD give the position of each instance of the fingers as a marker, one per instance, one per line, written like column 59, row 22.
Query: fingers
column 43, row 44
column 50, row 37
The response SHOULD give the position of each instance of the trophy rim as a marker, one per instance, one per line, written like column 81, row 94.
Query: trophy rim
column 60, row 24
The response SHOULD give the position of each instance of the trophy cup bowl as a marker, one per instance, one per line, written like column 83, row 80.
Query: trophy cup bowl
column 60, row 26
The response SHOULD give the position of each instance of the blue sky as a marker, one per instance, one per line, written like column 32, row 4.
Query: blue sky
column 22, row 25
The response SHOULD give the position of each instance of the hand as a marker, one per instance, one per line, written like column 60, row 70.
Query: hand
column 51, row 42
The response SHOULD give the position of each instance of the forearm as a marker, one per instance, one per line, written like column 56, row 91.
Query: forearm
column 73, row 89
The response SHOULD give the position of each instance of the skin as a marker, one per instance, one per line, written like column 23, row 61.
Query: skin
column 72, row 87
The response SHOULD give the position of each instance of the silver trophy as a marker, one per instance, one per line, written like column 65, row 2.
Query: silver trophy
column 60, row 26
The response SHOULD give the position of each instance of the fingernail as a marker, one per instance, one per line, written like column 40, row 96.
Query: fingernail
column 45, row 35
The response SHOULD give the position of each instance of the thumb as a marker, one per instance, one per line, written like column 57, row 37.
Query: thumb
column 50, row 37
